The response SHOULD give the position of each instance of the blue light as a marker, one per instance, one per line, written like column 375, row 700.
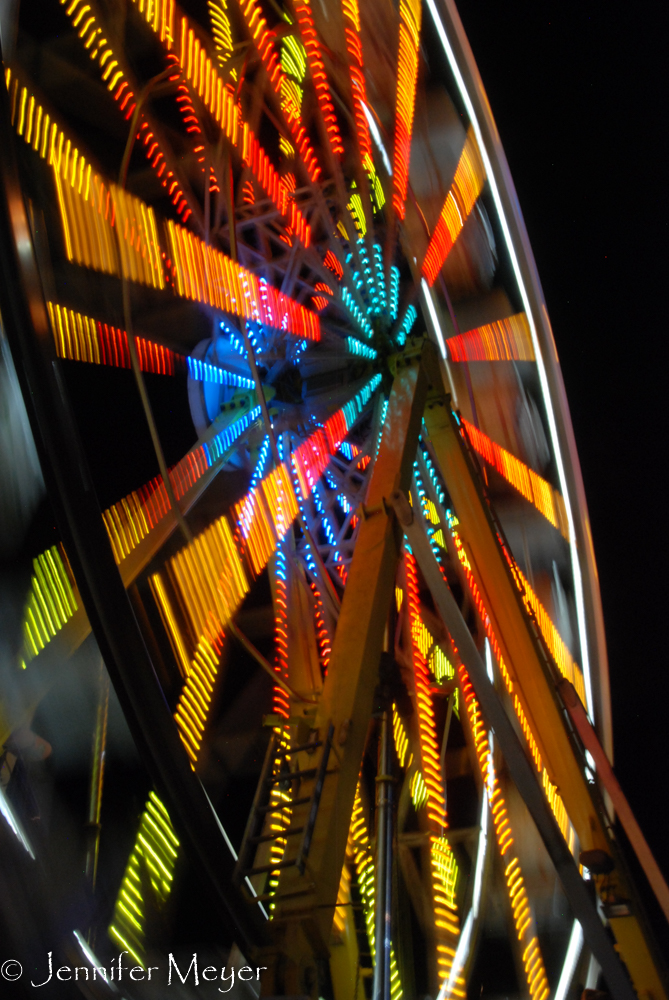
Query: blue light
column 223, row 441
column 202, row 371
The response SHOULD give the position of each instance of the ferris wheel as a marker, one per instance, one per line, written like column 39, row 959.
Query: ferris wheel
column 321, row 524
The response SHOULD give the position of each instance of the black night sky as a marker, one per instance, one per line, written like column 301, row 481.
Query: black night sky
column 578, row 90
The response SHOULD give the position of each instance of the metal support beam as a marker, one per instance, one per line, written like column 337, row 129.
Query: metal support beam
column 534, row 681
column 384, row 863
column 522, row 654
column 305, row 903
column 622, row 807
column 520, row 768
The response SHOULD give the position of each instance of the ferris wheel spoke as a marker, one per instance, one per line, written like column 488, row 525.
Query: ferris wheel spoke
column 286, row 90
column 461, row 198
column 119, row 81
column 536, row 490
column 180, row 36
column 502, row 340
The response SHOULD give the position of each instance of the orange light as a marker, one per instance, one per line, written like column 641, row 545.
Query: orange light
column 407, row 70
column 465, row 189
column 559, row 651
column 505, row 340
column 264, row 40
column 533, row 962
column 81, row 338
column 318, row 75
column 444, row 870
column 160, row 15
column 541, row 494
column 209, row 578
column 206, row 275
column 357, row 74
column 552, row 795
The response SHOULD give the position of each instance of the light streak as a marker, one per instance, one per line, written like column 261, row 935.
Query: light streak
column 574, row 949
column 394, row 292
column 202, row 371
column 82, row 338
column 195, row 698
column 541, row 367
column 535, row 973
column 351, row 17
column 90, row 211
column 170, row 624
column 333, row 264
column 206, row 275
column 209, row 577
column 550, row 790
column 155, row 853
column 376, row 135
column 222, row 33
column 217, row 98
column 436, row 325
column 356, row 66
column 357, row 347
column 444, row 869
column 461, row 198
column 356, row 313
column 312, row 456
column 317, row 70
column 131, row 519
column 556, row 645
column 407, row 325
column 280, row 816
column 283, row 86
column 202, row 75
column 360, row 848
column 319, row 301
column 407, row 71
column 101, row 52
column 503, row 340
column 530, row 485
column 51, row 602
column 14, row 823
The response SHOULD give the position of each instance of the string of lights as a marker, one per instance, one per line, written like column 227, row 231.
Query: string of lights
column 529, row 484
column 461, row 198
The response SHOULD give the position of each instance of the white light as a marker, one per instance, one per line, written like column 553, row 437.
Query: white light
column 233, row 851
column 14, row 822
column 480, row 857
column 488, row 662
column 593, row 974
column 464, row 943
column 433, row 316
column 575, row 565
column 373, row 128
column 459, row 958
column 570, row 961
column 88, row 954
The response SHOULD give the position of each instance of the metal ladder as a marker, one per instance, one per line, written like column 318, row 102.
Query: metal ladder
column 253, row 835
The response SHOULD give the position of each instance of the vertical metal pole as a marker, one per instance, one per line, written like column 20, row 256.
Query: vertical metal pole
column 384, row 867
column 97, row 776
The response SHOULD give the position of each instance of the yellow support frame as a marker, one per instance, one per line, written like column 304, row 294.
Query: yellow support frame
column 305, row 903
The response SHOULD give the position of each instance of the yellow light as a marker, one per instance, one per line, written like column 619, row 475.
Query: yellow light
column 51, row 602
column 540, row 493
column 505, row 340
column 156, row 850
column 467, row 184
column 407, row 69
column 209, row 578
column 559, row 651
column 536, row 981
